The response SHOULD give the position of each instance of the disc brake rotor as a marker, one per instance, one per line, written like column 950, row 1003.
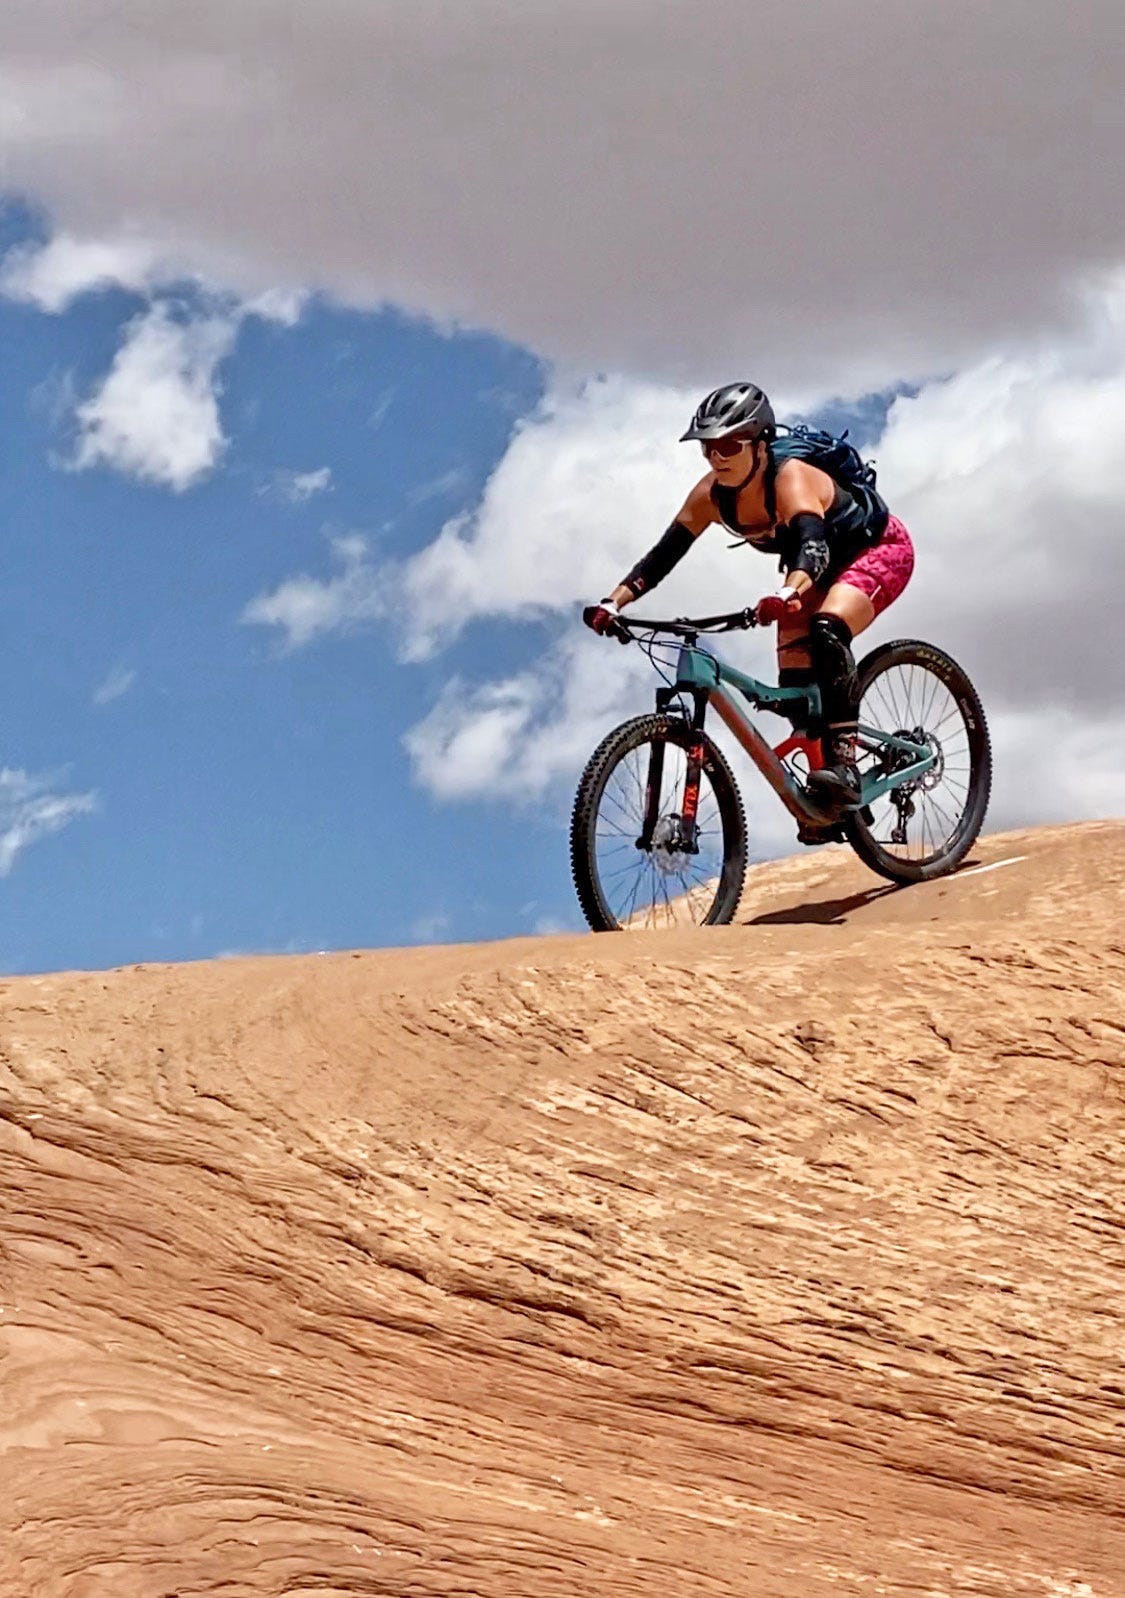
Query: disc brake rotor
column 930, row 779
column 667, row 847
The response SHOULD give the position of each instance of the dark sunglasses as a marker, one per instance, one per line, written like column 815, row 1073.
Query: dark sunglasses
column 724, row 448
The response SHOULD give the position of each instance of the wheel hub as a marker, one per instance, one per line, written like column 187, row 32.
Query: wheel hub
column 900, row 759
column 667, row 843
column 930, row 779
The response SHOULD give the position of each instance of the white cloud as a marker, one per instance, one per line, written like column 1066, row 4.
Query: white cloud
column 306, row 607
column 281, row 305
column 30, row 811
column 299, row 487
column 54, row 274
column 156, row 414
column 582, row 484
column 118, row 682
column 838, row 196
column 1011, row 475
column 500, row 560
column 1057, row 768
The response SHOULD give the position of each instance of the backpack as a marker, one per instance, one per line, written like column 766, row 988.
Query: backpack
column 841, row 461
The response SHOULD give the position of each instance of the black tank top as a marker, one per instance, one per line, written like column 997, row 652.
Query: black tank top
column 845, row 525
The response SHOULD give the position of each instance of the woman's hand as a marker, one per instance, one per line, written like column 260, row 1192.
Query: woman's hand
column 786, row 601
column 601, row 617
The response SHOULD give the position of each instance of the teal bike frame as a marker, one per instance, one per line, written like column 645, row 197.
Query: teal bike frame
column 712, row 681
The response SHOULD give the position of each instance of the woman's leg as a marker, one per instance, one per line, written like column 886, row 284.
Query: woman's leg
column 795, row 664
column 794, row 667
column 851, row 605
column 862, row 592
column 830, row 646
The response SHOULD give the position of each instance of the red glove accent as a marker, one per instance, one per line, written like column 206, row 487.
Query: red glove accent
column 770, row 609
column 599, row 618
column 785, row 602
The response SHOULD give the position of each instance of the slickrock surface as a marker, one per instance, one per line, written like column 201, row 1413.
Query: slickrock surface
column 779, row 1260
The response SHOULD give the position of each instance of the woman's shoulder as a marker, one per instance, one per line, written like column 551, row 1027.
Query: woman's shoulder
column 699, row 507
column 797, row 481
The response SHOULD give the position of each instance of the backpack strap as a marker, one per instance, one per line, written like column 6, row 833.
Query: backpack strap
column 725, row 502
column 769, row 487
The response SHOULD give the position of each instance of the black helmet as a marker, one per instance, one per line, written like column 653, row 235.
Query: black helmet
column 736, row 408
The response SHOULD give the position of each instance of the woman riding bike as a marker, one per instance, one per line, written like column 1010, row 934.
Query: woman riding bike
column 842, row 563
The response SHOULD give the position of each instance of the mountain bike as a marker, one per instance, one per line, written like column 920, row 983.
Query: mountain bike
column 658, row 832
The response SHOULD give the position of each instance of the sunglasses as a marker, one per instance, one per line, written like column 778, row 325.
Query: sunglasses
column 724, row 448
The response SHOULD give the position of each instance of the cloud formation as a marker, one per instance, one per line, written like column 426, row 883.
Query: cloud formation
column 52, row 275
column 298, row 487
column 306, row 607
column 826, row 197
column 30, row 811
column 114, row 685
column 156, row 416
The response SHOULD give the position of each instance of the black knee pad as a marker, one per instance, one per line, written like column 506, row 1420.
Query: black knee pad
column 830, row 651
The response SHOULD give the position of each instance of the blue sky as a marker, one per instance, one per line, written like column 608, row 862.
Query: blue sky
column 246, row 796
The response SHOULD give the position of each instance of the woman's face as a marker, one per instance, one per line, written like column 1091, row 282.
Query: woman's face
column 731, row 459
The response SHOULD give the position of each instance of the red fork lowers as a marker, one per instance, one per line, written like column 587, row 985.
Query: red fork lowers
column 690, row 807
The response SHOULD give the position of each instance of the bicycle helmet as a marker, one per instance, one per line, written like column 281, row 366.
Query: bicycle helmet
column 736, row 408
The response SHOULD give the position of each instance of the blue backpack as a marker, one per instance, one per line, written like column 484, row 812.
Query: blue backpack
column 841, row 461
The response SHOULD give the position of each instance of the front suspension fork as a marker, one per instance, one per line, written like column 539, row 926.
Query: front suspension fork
column 689, row 800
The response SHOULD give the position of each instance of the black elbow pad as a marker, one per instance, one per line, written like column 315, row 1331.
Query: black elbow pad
column 655, row 566
column 811, row 540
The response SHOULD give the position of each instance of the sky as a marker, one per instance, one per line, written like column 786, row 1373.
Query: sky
column 344, row 351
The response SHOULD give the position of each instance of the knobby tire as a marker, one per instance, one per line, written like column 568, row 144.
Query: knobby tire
column 613, row 749
column 911, row 652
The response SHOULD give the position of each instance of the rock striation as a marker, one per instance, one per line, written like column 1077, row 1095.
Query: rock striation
column 781, row 1260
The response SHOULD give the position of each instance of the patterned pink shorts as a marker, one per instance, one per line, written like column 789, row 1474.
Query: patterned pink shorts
column 883, row 571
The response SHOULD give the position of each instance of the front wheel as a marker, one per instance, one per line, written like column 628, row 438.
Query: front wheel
column 923, row 828
column 637, row 860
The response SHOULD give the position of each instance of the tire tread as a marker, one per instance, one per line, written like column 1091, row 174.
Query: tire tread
column 629, row 735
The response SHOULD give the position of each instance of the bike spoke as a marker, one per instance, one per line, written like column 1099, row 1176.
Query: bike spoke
column 902, row 700
column 660, row 886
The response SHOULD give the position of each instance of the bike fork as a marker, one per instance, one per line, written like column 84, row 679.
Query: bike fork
column 689, row 799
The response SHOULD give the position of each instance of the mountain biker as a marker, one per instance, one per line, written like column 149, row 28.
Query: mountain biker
column 837, row 577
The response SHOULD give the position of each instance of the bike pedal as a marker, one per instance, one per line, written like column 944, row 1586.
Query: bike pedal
column 813, row 835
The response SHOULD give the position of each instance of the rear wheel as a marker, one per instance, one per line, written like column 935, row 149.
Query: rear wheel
column 623, row 887
column 923, row 828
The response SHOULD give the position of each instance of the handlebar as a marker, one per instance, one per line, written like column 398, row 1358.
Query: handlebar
column 685, row 626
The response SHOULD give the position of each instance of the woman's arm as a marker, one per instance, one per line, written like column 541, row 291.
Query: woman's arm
column 804, row 494
column 697, row 512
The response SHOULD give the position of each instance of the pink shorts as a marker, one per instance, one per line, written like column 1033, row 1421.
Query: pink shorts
column 883, row 571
